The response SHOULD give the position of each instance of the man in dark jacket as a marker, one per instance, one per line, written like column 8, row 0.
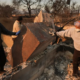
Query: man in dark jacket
column 3, row 30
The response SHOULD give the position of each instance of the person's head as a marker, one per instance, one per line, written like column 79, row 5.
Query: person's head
column 77, row 24
column 20, row 19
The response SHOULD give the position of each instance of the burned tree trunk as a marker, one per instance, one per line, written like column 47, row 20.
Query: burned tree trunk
column 29, row 10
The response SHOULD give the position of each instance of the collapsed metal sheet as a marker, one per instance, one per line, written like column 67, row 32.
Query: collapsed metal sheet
column 32, row 40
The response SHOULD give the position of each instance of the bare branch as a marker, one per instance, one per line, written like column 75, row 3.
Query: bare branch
column 27, row 3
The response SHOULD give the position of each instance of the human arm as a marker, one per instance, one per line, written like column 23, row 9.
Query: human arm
column 66, row 33
column 5, row 31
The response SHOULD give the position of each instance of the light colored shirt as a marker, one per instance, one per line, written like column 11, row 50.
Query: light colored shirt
column 16, row 27
column 74, row 34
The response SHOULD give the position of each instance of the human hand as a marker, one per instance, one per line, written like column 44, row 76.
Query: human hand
column 18, row 33
column 52, row 33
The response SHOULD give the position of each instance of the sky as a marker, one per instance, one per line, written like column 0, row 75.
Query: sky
column 6, row 1
column 78, row 1
column 10, row 1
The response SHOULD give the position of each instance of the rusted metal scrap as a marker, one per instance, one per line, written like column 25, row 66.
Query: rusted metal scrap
column 33, row 39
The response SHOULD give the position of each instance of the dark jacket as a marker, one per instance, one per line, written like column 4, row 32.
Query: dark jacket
column 3, row 30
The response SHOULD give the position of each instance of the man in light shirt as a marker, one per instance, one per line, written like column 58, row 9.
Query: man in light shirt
column 17, row 26
column 74, row 33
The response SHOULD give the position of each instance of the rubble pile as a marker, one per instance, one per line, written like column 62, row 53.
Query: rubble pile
column 61, row 69
column 36, row 56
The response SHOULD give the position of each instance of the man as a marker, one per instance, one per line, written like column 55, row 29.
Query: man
column 3, row 30
column 74, row 33
column 17, row 25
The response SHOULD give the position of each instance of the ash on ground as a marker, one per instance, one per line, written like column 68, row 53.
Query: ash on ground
column 61, row 69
